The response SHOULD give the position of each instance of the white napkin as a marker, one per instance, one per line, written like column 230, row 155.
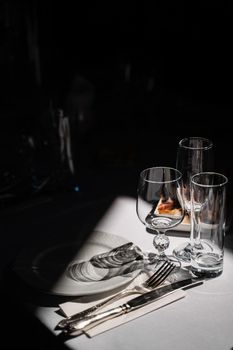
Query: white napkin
column 70, row 308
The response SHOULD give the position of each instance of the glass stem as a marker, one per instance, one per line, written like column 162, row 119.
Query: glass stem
column 161, row 243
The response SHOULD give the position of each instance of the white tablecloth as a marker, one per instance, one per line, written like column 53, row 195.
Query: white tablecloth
column 201, row 320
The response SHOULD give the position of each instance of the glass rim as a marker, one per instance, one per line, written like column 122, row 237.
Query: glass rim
column 223, row 183
column 196, row 138
column 179, row 177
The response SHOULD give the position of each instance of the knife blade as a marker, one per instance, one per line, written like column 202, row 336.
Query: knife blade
column 79, row 326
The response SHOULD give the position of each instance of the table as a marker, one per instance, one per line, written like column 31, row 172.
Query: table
column 201, row 320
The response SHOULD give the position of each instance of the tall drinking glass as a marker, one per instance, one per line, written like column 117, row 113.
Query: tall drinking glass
column 208, row 216
column 194, row 155
column 160, row 204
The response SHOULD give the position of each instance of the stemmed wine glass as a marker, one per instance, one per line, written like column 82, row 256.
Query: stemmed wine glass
column 160, row 204
column 194, row 155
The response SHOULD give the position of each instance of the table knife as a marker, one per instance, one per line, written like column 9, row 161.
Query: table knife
column 78, row 327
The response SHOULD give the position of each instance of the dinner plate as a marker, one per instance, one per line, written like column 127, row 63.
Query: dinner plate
column 46, row 269
column 184, row 226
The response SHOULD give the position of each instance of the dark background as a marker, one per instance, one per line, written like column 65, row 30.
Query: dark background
column 150, row 76
column 145, row 75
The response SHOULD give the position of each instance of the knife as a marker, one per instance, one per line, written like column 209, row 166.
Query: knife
column 81, row 325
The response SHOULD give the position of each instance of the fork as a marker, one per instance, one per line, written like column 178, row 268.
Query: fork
column 152, row 282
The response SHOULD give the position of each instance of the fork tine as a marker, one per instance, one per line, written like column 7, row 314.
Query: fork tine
column 160, row 275
column 158, row 272
column 165, row 265
column 156, row 280
column 154, row 284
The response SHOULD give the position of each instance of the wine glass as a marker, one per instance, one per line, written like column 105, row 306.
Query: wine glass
column 160, row 204
column 194, row 155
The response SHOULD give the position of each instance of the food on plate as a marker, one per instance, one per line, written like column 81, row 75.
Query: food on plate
column 169, row 207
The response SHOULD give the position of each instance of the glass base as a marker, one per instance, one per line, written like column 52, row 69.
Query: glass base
column 152, row 259
column 207, row 274
column 170, row 258
column 207, row 264
column 183, row 252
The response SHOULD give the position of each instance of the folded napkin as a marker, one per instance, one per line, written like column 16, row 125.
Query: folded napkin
column 122, row 260
column 80, row 304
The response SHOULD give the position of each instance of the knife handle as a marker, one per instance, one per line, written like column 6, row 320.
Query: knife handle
column 93, row 309
column 78, row 327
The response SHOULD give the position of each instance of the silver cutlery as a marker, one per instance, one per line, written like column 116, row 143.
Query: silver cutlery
column 152, row 282
column 78, row 327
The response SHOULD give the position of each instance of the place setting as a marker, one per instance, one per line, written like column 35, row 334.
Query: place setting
column 113, row 280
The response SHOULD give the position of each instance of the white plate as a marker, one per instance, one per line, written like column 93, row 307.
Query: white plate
column 45, row 269
column 184, row 226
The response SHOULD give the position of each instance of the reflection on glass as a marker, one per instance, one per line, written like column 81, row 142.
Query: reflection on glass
column 160, row 204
